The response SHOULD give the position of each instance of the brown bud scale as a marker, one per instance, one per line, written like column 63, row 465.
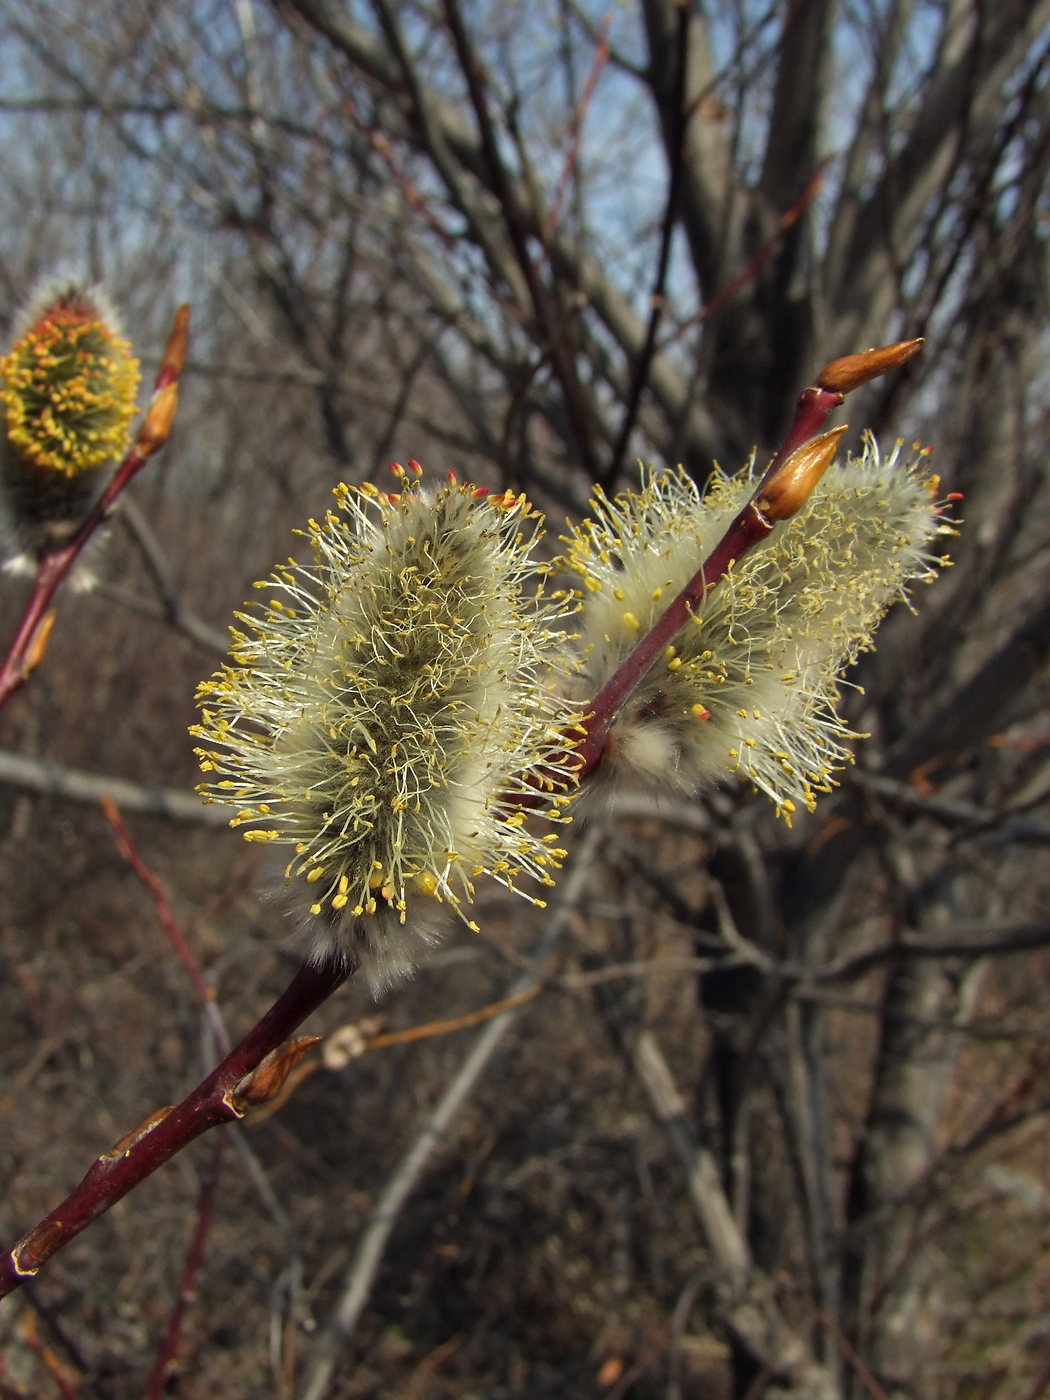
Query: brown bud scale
column 840, row 376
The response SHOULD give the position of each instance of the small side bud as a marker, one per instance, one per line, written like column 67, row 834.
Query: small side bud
column 160, row 415
column 37, row 649
column 37, row 1247
column 852, row 371
column 267, row 1079
column 123, row 1145
column 348, row 1043
column 796, row 480
column 173, row 361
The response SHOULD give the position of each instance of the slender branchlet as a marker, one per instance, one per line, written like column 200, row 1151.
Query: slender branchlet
column 392, row 711
column 748, row 686
column 68, row 390
column 390, row 705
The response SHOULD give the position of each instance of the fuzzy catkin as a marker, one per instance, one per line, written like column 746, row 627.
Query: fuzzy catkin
column 388, row 711
column 749, row 687
column 68, row 391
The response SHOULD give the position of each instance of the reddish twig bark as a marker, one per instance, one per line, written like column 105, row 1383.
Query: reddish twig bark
column 241, row 1080
column 49, row 1360
column 169, row 1347
column 30, row 642
column 168, row 922
column 167, row 1356
column 601, row 58
column 755, row 264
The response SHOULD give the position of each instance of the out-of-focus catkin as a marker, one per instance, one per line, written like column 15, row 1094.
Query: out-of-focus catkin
column 68, row 391
column 389, row 713
column 750, row 684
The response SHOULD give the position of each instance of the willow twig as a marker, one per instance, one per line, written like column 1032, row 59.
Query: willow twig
column 169, row 1347
column 781, row 492
column 241, row 1080
column 167, row 1354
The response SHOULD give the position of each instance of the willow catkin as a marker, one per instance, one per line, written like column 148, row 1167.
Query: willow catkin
column 68, row 389
column 749, row 687
column 389, row 709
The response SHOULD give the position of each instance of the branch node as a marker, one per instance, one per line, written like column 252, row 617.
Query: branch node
column 36, row 1248
column 264, row 1082
column 123, row 1145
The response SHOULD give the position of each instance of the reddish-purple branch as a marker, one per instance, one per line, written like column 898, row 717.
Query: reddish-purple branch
column 167, row 1356
column 168, row 1351
column 26, row 650
column 222, row 1098
column 168, row 922
column 242, row 1078
column 747, row 529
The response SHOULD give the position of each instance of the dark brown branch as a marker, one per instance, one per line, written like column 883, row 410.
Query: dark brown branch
column 558, row 345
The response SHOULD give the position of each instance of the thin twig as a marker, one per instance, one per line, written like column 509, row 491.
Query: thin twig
column 841, row 1342
column 361, row 1275
column 747, row 1300
column 167, row 1355
column 169, row 1348
column 753, row 267
column 30, row 641
column 656, row 301
column 601, row 58
column 223, row 1097
column 48, row 1360
column 170, row 925
column 549, row 318
column 173, row 609
column 385, row 1041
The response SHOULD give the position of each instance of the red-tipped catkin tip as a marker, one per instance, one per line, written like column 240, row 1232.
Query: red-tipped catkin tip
column 414, row 467
column 794, row 483
column 854, row 370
